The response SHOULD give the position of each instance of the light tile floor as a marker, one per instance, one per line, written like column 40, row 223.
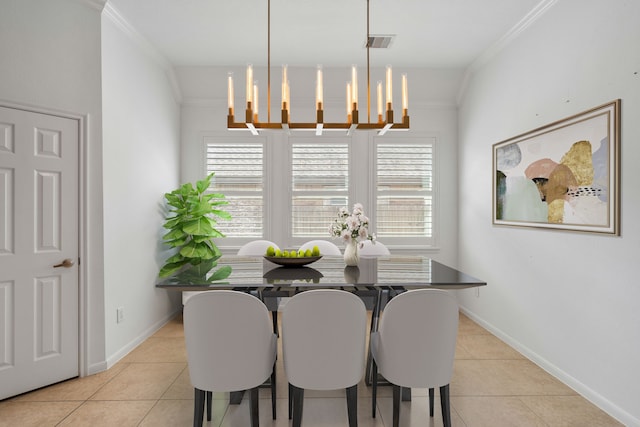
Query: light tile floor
column 492, row 385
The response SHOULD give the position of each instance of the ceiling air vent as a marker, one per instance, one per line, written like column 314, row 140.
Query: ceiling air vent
column 380, row 41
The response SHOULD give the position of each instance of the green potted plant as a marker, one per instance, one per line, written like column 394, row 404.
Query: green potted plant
column 191, row 222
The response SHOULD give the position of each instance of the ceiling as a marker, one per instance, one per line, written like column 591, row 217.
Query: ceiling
column 428, row 33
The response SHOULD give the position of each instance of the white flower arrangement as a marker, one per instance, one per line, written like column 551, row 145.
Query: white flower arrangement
column 351, row 226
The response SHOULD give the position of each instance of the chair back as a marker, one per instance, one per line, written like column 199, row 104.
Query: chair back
column 256, row 248
column 230, row 342
column 416, row 339
column 326, row 247
column 323, row 339
column 370, row 248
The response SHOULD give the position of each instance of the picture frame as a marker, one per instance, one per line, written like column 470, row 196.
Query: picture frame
column 562, row 176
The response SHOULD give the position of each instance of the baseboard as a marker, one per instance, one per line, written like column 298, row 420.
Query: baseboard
column 97, row 368
column 591, row 395
column 120, row 354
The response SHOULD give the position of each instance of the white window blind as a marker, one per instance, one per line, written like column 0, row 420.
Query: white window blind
column 404, row 190
column 239, row 175
column 320, row 184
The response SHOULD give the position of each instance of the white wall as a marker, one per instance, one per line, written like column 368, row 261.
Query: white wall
column 141, row 149
column 570, row 301
column 432, row 108
column 50, row 54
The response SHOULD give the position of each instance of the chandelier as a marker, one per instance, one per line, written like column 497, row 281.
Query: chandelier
column 384, row 121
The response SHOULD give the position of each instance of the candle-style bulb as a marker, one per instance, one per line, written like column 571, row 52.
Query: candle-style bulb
column 349, row 99
column 405, row 93
column 319, row 88
column 379, row 98
column 230, row 95
column 389, row 85
column 249, row 91
column 284, row 87
column 354, row 87
column 255, row 99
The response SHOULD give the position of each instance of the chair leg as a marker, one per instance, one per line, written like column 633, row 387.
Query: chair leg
column 298, row 400
column 273, row 392
column 290, row 401
column 445, row 405
column 374, row 390
column 209, row 400
column 431, row 397
column 198, row 407
column 375, row 316
column 352, row 405
column 274, row 318
column 253, row 403
column 397, row 391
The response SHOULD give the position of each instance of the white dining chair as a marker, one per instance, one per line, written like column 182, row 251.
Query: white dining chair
column 415, row 345
column 230, row 347
column 372, row 249
column 256, row 248
column 326, row 247
column 253, row 248
column 323, row 346
column 259, row 248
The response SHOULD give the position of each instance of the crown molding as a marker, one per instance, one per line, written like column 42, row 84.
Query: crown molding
column 504, row 41
column 96, row 4
column 512, row 34
column 128, row 30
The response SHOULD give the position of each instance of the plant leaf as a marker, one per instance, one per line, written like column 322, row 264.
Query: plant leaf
column 213, row 196
column 177, row 258
column 185, row 189
column 198, row 227
column 221, row 273
column 202, row 185
column 195, row 250
column 172, row 222
column 202, row 208
column 216, row 233
column 177, row 242
column 221, row 214
column 176, row 233
column 200, row 239
column 169, row 269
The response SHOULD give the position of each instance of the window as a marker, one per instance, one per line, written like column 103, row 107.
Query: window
column 320, row 184
column 289, row 189
column 239, row 175
column 404, row 188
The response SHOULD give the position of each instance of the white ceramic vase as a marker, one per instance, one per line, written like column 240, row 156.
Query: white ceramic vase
column 351, row 256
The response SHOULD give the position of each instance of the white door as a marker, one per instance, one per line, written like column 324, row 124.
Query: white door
column 38, row 232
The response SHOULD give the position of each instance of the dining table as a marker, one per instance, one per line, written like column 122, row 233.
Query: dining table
column 375, row 279
column 257, row 273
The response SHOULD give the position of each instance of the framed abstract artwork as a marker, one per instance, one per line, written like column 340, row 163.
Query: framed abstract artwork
column 565, row 175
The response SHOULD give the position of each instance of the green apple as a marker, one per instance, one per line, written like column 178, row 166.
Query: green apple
column 278, row 253
column 271, row 251
column 308, row 253
column 315, row 251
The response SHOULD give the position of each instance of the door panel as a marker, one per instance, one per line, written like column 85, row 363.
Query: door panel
column 38, row 230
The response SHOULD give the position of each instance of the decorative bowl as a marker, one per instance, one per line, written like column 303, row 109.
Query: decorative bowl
column 292, row 262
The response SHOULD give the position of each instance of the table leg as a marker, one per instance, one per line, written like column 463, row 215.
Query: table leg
column 235, row 397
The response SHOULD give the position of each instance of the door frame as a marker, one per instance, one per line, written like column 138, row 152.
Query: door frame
column 83, row 302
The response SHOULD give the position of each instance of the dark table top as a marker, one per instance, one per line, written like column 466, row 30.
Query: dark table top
column 242, row 272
